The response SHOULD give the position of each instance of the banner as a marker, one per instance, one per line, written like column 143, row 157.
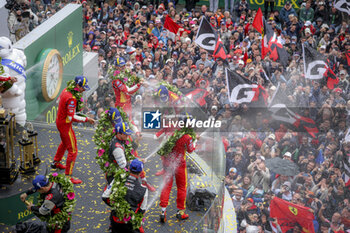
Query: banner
column 291, row 119
column 288, row 215
column 206, row 36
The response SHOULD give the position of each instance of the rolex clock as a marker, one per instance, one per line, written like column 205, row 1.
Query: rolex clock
column 52, row 71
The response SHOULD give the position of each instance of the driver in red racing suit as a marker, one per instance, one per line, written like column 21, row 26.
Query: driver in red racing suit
column 122, row 91
column 175, row 165
column 65, row 117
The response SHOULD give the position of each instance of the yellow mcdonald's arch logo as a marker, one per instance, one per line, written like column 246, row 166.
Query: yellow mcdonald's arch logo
column 70, row 38
column 293, row 210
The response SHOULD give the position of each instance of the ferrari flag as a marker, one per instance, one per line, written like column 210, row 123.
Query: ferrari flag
column 289, row 214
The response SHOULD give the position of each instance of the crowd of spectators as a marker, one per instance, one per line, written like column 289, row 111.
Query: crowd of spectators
column 134, row 30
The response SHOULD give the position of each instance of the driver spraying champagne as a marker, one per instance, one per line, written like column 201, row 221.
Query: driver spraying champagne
column 175, row 166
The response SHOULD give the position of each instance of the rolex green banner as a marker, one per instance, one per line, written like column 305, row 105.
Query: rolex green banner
column 54, row 55
column 253, row 4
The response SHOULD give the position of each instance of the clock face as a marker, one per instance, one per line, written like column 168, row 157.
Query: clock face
column 52, row 75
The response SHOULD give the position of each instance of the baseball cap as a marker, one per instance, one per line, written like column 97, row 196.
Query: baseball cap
column 272, row 136
column 307, row 23
column 114, row 115
column 136, row 166
column 307, row 30
column 232, row 169
column 122, row 128
column 163, row 93
column 338, row 90
column 40, row 181
column 94, row 47
column 342, row 72
column 82, row 82
column 288, row 154
column 120, row 61
column 287, row 183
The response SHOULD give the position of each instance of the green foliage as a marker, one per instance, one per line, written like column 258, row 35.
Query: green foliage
column 169, row 145
column 126, row 76
column 71, row 87
column 102, row 138
column 58, row 220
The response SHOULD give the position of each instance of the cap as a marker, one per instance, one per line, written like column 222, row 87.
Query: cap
column 288, row 154
column 324, row 26
column 169, row 60
column 164, row 49
column 342, row 72
column 123, row 128
column 272, row 136
column 114, row 115
column 287, row 183
column 175, row 53
column 120, row 61
column 307, row 23
column 294, row 38
column 240, row 62
column 338, row 90
column 136, row 166
column 144, row 7
column 193, row 67
column 82, row 82
column 130, row 50
column 40, row 181
column 232, row 169
column 163, row 93
column 307, row 30
column 323, row 47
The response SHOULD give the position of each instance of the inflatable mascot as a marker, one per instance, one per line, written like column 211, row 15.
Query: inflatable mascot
column 13, row 61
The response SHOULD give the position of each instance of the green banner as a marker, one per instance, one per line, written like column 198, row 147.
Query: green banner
column 53, row 58
column 13, row 210
column 253, row 4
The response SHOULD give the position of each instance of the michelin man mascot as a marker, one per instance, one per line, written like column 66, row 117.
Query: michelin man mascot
column 13, row 61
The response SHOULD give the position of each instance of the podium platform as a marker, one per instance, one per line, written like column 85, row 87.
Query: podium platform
column 91, row 214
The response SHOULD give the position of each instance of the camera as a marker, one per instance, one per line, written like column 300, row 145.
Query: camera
column 12, row 5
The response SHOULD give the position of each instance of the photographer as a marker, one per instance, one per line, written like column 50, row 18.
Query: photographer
column 21, row 19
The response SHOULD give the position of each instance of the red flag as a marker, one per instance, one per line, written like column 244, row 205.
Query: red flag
column 258, row 22
column 348, row 57
column 331, row 78
column 245, row 58
column 289, row 214
column 171, row 25
column 198, row 96
column 260, row 91
column 219, row 51
column 246, row 29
